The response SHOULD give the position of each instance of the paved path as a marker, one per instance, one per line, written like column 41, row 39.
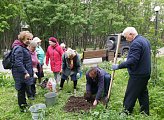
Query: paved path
column 1, row 68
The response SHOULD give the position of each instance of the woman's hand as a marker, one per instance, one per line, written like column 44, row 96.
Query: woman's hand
column 27, row 76
column 61, row 71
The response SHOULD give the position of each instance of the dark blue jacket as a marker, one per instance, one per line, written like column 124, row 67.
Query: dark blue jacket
column 97, row 83
column 139, row 57
column 22, row 64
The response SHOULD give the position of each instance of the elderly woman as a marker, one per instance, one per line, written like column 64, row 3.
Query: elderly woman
column 41, row 55
column 63, row 46
column 22, row 67
column 54, row 54
column 70, row 66
column 32, row 48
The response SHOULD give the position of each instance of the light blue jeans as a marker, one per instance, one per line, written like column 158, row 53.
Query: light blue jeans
column 57, row 77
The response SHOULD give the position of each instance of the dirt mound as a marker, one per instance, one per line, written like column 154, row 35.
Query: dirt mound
column 76, row 104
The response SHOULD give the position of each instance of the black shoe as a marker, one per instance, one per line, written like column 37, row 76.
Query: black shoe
column 23, row 108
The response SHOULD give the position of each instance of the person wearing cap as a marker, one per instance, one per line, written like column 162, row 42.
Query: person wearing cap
column 54, row 54
column 40, row 55
column 70, row 67
column 138, row 64
column 63, row 47
column 97, row 85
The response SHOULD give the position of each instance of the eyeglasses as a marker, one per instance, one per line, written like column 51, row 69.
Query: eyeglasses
column 29, row 39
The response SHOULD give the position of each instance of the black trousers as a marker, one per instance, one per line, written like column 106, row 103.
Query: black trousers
column 137, row 89
column 22, row 95
column 31, row 90
column 63, row 80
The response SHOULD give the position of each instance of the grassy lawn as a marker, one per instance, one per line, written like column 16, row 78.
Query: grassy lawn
column 9, row 108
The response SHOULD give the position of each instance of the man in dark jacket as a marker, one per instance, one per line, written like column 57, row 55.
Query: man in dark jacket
column 138, row 64
column 98, row 81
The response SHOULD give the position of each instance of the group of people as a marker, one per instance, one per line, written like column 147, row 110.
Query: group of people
column 29, row 56
column 28, row 60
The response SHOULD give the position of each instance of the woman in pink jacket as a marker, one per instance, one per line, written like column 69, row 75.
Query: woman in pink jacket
column 54, row 54
column 32, row 48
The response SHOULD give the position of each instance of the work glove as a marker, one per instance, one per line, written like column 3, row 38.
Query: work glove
column 115, row 67
column 78, row 75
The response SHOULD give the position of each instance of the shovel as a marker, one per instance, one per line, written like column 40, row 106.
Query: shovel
column 112, row 76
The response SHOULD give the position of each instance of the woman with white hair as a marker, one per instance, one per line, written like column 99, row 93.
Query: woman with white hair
column 63, row 46
column 41, row 55
column 70, row 66
column 32, row 48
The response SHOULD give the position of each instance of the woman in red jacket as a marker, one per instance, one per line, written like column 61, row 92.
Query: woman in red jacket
column 54, row 54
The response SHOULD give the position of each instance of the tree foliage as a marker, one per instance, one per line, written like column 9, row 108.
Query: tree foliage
column 78, row 23
column 8, row 11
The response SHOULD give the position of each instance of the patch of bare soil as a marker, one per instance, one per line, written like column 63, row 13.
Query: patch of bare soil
column 76, row 104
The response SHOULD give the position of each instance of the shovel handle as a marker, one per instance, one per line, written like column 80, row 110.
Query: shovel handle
column 113, row 72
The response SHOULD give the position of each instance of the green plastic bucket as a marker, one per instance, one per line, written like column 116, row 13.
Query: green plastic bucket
column 50, row 98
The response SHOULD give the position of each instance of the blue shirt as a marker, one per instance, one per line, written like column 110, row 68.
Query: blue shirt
column 40, row 54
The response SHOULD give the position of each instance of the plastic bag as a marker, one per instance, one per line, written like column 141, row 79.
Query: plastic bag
column 51, row 85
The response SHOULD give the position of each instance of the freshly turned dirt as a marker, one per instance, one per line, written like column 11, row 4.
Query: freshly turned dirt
column 76, row 104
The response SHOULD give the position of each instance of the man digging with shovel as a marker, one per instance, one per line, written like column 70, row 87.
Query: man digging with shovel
column 138, row 64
